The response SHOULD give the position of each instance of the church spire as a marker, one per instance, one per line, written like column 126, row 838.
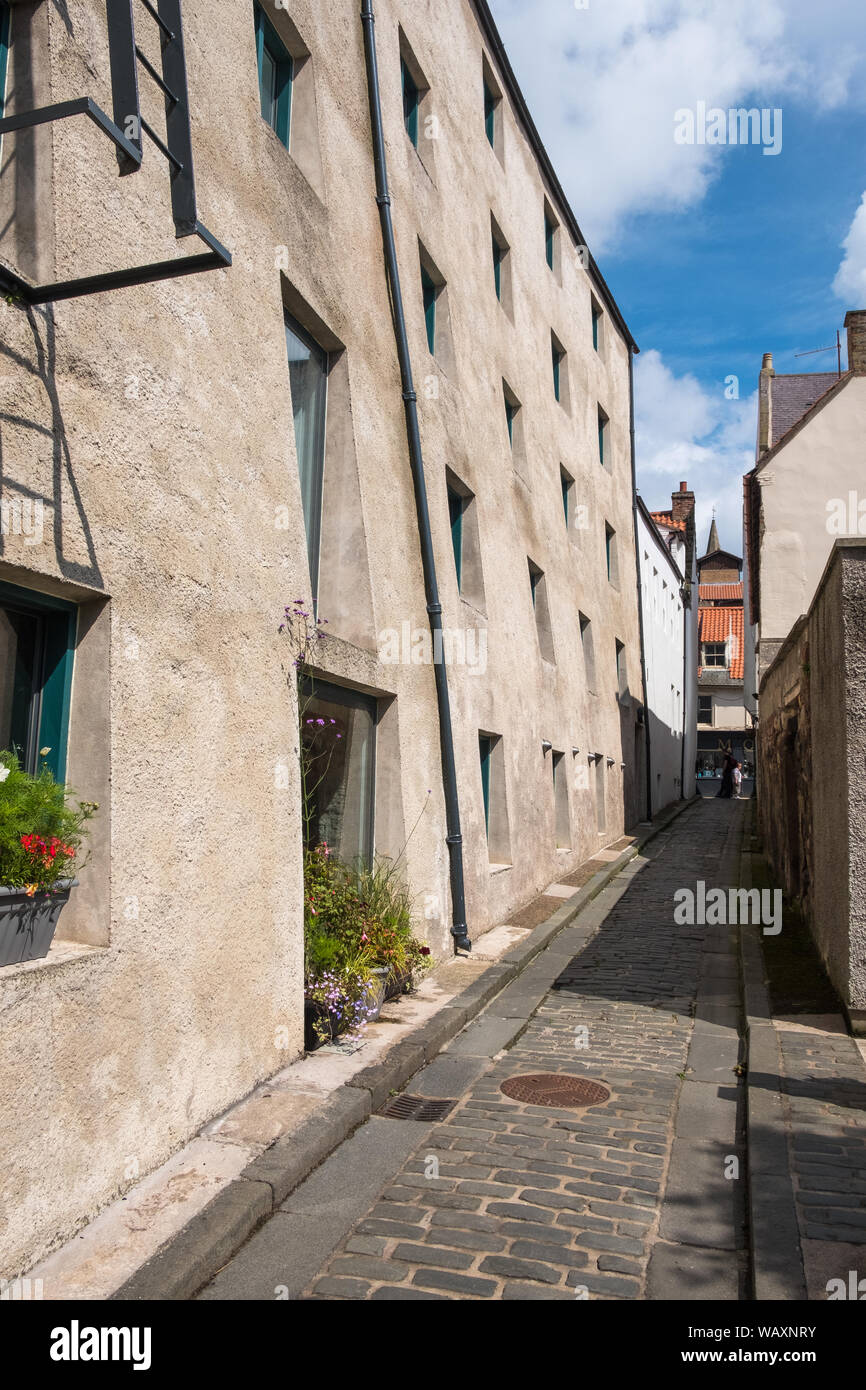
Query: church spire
column 713, row 543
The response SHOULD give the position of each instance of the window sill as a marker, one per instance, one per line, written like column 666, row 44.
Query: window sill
column 61, row 953
column 499, row 868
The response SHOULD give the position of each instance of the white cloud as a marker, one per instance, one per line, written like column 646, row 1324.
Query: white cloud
column 685, row 432
column 603, row 84
column 850, row 282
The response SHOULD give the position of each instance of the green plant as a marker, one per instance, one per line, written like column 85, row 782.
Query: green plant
column 41, row 832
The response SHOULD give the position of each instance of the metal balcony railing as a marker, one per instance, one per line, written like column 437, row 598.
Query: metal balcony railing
column 126, row 130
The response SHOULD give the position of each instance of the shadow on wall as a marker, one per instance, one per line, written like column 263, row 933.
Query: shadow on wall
column 42, row 366
column 633, row 757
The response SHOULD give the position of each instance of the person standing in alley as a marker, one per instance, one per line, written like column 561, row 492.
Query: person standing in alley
column 738, row 779
column 727, row 787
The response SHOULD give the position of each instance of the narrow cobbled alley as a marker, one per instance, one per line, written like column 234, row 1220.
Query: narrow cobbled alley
column 644, row 1194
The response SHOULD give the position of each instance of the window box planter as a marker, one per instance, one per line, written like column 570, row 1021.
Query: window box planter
column 378, row 992
column 399, row 982
column 28, row 924
column 312, row 1014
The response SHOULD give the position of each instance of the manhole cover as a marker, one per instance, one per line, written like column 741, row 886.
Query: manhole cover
column 553, row 1090
column 417, row 1108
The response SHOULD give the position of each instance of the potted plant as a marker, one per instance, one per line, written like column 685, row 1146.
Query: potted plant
column 41, row 836
column 337, row 1002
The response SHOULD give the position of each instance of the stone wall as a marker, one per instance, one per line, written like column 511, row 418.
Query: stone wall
column 811, row 756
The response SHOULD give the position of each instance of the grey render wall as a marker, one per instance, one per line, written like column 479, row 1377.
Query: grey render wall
column 811, row 756
column 156, row 425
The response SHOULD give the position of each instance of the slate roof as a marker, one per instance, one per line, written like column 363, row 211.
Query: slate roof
column 791, row 395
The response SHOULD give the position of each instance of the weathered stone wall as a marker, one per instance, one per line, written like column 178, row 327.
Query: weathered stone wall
column 811, row 759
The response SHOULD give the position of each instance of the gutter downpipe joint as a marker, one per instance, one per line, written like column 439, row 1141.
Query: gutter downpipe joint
column 454, row 838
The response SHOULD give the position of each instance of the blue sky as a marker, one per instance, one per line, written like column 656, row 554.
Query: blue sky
column 716, row 254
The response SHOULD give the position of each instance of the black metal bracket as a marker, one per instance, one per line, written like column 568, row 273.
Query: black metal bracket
column 126, row 131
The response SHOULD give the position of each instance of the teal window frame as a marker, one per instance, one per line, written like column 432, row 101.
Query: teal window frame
column 51, row 694
column 608, row 539
column 510, row 415
column 5, row 27
column 429, row 292
column 549, row 234
column 602, row 421
column 411, row 102
column 485, row 748
column 596, row 320
column 456, row 508
column 498, row 257
column 490, row 101
column 272, row 55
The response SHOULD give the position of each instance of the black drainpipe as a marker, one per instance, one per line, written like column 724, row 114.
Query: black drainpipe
column 646, row 716
column 454, row 839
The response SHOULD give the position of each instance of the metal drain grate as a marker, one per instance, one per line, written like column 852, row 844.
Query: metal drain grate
column 559, row 1092
column 407, row 1107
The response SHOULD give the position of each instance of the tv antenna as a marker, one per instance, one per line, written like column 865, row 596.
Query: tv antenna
column 834, row 347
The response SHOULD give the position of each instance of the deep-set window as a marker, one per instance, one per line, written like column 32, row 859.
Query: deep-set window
column 339, row 736
column 37, row 641
column 596, row 327
column 275, row 76
column 499, row 255
column 485, row 748
column 411, row 102
column 557, row 354
column 714, row 654
column 610, row 554
column 603, row 449
column 549, row 238
column 429, row 291
column 566, row 483
column 490, row 102
column 456, row 508
column 308, row 381
column 621, row 675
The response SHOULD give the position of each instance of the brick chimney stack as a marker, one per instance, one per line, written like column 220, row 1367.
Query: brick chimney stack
column 855, row 323
column 682, row 503
column 683, row 509
column 765, row 403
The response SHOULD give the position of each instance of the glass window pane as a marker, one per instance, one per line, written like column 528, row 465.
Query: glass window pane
column 269, row 87
column 308, row 378
column 20, row 647
column 339, row 732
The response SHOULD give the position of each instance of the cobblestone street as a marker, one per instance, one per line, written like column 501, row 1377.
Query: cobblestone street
column 642, row 1196
column 626, row 1199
